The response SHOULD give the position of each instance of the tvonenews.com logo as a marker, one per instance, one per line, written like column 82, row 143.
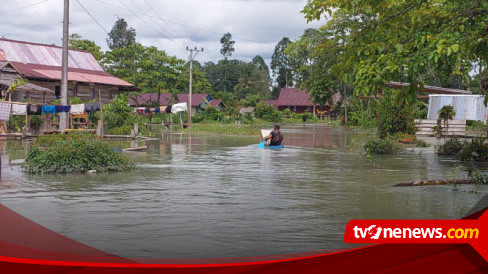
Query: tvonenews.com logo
column 374, row 232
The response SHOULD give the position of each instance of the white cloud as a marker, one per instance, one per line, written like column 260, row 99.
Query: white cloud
column 256, row 25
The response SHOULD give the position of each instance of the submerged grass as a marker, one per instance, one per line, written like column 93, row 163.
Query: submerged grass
column 227, row 129
column 74, row 152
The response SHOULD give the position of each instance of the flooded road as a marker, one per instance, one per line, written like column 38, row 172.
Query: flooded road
column 212, row 196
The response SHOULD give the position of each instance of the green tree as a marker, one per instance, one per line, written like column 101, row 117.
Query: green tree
column 281, row 66
column 226, row 50
column 76, row 42
column 227, row 45
column 148, row 68
column 121, row 35
column 410, row 40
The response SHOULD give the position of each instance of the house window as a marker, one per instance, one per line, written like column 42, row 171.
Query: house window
column 92, row 93
column 308, row 108
column 57, row 92
column 294, row 108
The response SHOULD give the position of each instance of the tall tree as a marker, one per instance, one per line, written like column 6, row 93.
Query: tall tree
column 121, row 35
column 226, row 50
column 280, row 64
column 227, row 45
column 76, row 42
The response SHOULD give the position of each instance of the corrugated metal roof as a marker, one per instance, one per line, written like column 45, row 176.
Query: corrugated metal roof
column 292, row 97
column 214, row 102
column 467, row 107
column 49, row 55
column 74, row 74
column 430, row 89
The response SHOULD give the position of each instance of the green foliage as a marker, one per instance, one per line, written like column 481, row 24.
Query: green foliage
column 16, row 123
column 476, row 150
column 395, row 115
column 75, row 42
column 208, row 114
column 228, row 129
column 432, row 42
column 118, row 113
column 382, row 146
column 227, row 45
column 447, row 112
column 149, row 69
column 267, row 113
column 281, row 66
column 122, row 130
column 478, row 177
column 450, row 148
column 35, row 122
column 121, row 36
column 73, row 152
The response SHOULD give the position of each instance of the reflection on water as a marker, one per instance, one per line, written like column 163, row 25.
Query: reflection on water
column 220, row 196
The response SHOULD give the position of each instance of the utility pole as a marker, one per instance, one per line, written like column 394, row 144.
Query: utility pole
column 64, row 67
column 190, row 91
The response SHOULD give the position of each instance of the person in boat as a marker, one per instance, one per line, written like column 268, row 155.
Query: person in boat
column 275, row 137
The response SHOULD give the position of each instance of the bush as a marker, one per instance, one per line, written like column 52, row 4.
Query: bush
column 118, row 113
column 382, row 146
column 476, row 150
column 395, row 116
column 122, row 130
column 208, row 114
column 267, row 113
column 16, row 123
column 450, row 148
column 74, row 152
column 478, row 177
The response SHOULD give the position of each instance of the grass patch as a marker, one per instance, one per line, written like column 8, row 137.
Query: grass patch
column 74, row 152
column 227, row 129
column 383, row 146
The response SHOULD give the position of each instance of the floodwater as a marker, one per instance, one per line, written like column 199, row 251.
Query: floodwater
column 213, row 196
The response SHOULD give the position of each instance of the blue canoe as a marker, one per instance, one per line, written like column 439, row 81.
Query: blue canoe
column 261, row 145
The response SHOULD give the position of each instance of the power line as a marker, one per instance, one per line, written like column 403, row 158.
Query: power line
column 187, row 26
column 149, row 25
column 151, row 18
column 91, row 16
column 166, row 23
column 24, row 7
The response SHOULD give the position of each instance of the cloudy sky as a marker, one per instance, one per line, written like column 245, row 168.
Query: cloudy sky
column 256, row 25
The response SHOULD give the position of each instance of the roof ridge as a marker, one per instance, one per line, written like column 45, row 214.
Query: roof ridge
column 40, row 44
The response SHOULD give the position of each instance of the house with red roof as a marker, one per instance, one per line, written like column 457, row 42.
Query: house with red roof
column 298, row 101
column 40, row 64
column 151, row 99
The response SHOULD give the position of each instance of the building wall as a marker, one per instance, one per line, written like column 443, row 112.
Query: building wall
column 303, row 109
column 85, row 91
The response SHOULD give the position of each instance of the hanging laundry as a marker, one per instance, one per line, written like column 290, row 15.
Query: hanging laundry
column 48, row 109
column 34, row 109
column 19, row 109
column 157, row 110
column 147, row 110
column 63, row 108
column 139, row 110
column 168, row 109
column 92, row 107
column 180, row 107
column 5, row 111
column 78, row 109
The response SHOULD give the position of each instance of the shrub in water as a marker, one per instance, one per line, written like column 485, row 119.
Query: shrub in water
column 74, row 152
column 450, row 148
column 475, row 150
column 383, row 146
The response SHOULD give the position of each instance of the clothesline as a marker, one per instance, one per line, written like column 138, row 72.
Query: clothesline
column 17, row 108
